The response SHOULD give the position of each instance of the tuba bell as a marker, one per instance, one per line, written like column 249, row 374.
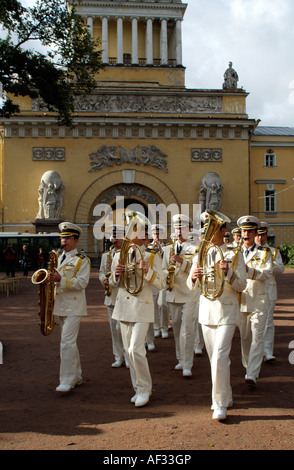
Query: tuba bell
column 133, row 276
column 212, row 282
column 46, row 294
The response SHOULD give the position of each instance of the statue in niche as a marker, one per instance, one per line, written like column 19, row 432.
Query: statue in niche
column 210, row 192
column 230, row 78
column 50, row 196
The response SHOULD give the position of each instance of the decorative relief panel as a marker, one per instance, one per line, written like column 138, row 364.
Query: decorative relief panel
column 141, row 155
column 142, row 104
column 207, row 155
column 48, row 153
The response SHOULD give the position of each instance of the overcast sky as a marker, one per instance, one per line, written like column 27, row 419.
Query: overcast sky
column 258, row 37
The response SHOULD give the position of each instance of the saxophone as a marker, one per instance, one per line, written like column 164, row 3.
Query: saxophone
column 46, row 294
column 107, row 287
column 170, row 280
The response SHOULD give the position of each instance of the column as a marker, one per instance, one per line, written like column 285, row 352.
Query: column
column 105, row 40
column 120, row 46
column 135, row 41
column 179, row 42
column 163, row 42
column 149, row 41
column 90, row 25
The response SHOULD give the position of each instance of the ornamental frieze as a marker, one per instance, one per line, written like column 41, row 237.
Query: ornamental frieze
column 130, row 103
column 206, row 155
column 108, row 155
column 48, row 153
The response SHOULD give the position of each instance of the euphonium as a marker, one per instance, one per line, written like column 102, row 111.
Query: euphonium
column 170, row 279
column 46, row 293
column 212, row 284
column 133, row 276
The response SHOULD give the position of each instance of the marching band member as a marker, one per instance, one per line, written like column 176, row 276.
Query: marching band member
column 236, row 232
column 220, row 316
column 181, row 301
column 136, row 311
column 111, row 293
column 71, row 278
column 161, row 312
column 254, row 299
column 278, row 268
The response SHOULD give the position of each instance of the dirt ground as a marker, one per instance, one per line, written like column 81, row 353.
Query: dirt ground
column 99, row 416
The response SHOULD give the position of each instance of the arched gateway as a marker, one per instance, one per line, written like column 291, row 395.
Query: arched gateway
column 133, row 186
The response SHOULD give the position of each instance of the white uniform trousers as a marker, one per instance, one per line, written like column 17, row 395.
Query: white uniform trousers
column 198, row 338
column 161, row 311
column 218, row 341
column 252, row 328
column 70, row 365
column 133, row 336
column 269, row 333
column 183, row 328
column 117, row 344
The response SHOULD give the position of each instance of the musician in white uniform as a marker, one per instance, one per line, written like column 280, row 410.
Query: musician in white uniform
column 181, row 301
column 110, row 295
column 136, row 311
column 254, row 299
column 71, row 279
column 278, row 268
column 220, row 316
column 161, row 311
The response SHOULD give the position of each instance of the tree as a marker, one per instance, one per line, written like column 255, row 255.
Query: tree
column 64, row 68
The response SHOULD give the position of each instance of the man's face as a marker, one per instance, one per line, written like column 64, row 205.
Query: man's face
column 261, row 238
column 248, row 236
column 182, row 232
column 237, row 237
column 68, row 243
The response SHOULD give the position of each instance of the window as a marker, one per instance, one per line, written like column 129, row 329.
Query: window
column 270, row 200
column 270, row 159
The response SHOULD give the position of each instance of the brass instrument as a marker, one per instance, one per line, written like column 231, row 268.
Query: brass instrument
column 133, row 276
column 107, row 287
column 46, row 293
column 170, row 279
column 212, row 286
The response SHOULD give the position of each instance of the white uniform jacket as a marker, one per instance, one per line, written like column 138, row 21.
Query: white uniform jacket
column 225, row 309
column 260, row 269
column 278, row 268
column 105, row 267
column 180, row 293
column 139, row 307
column 70, row 295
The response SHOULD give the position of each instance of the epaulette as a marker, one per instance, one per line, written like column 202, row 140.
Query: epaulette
column 81, row 255
column 263, row 248
column 232, row 248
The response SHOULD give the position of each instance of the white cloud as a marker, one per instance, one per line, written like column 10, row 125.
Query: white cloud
column 258, row 37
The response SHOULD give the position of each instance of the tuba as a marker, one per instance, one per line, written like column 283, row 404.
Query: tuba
column 212, row 284
column 133, row 276
column 46, row 293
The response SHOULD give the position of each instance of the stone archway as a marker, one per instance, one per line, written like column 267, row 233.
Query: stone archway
column 125, row 177
column 146, row 187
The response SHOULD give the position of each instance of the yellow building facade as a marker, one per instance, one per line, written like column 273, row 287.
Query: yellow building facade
column 141, row 135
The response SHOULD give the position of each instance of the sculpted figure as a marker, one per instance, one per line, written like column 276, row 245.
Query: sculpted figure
column 50, row 196
column 230, row 77
column 210, row 192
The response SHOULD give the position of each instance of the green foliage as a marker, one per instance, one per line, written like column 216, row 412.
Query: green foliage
column 65, row 67
column 287, row 253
